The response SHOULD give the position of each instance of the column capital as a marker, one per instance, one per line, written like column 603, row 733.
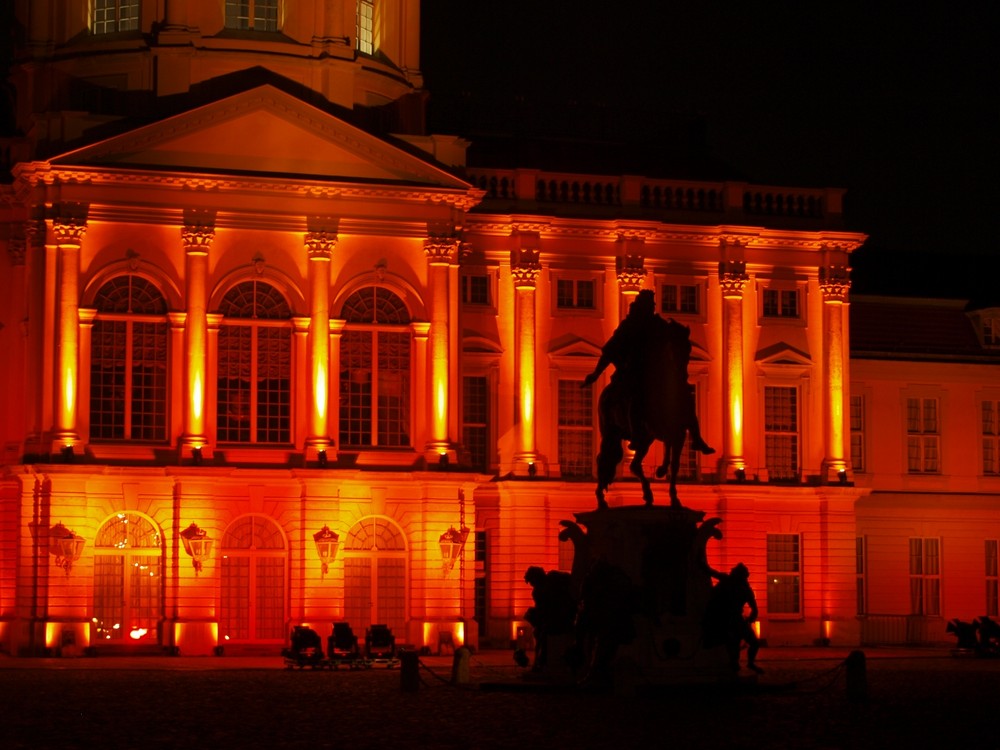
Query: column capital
column 320, row 244
column 69, row 230
column 733, row 278
column 442, row 250
column 525, row 264
column 197, row 238
column 16, row 250
column 630, row 270
column 834, row 283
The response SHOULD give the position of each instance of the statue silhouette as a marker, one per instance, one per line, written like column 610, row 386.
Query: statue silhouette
column 649, row 397
column 724, row 619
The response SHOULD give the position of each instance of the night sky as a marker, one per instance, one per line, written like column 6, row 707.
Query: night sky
column 903, row 110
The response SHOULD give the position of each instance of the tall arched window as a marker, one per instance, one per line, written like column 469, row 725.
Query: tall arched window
column 255, row 366
column 128, row 364
column 375, row 370
column 375, row 575
column 252, row 601
column 128, row 555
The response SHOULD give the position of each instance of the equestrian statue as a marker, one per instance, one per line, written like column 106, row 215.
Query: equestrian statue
column 649, row 397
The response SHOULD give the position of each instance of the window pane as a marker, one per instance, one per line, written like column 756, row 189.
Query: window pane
column 576, row 430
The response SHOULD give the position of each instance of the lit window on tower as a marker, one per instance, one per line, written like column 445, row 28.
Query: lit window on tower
column 366, row 26
column 252, row 15
column 110, row 16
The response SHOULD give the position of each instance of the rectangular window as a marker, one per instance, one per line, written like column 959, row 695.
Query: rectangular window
column 925, row 577
column 858, row 433
column 679, row 299
column 575, row 294
column 365, row 30
column 475, row 416
column 991, row 437
column 922, row 437
column 991, row 578
column 859, row 572
column 781, row 303
column 784, row 586
column 252, row 15
column 115, row 15
column 991, row 332
column 475, row 289
column 781, row 432
column 576, row 429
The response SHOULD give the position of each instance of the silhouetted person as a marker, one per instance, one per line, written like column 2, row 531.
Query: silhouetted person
column 724, row 619
column 625, row 350
column 554, row 609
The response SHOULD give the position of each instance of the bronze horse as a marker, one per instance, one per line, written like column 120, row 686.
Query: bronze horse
column 661, row 382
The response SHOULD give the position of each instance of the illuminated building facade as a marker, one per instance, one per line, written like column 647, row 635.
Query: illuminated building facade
column 268, row 365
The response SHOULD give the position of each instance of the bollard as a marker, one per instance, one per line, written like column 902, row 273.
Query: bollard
column 409, row 671
column 460, row 666
column 857, row 677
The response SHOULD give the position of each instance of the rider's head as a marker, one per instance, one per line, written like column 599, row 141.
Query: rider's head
column 644, row 304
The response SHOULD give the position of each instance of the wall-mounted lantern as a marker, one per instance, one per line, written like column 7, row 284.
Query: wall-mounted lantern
column 66, row 546
column 197, row 544
column 452, row 542
column 327, row 543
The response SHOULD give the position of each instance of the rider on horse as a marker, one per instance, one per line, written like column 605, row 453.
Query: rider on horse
column 626, row 349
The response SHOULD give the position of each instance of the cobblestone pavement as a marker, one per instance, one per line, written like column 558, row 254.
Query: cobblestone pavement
column 917, row 699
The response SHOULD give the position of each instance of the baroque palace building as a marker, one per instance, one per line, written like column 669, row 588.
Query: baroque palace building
column 276, row 356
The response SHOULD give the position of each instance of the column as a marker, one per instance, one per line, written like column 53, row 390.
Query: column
column 442, row 255
column 319, row 246
column 68, row 230
column 336, row 333
column 732, row 280
column 524, row 267
column 421, row 331
column 197, row 236
column 834, row 284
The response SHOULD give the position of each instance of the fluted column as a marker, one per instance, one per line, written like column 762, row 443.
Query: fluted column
column 732, row 280
column 442, row 254
column 834, row 284
column 68, row 230
column 319, row 246
column 524, row 266
column 197, row 236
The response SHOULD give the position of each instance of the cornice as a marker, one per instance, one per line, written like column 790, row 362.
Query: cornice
column 40, row 173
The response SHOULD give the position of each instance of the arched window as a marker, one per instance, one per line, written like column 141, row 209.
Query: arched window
column 375, row 575
column 255, row 366
column 128, row 555
column 375, row 370
column 252, row 601
column 128, row 362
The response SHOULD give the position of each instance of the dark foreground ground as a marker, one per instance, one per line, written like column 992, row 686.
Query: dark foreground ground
column 916, row 699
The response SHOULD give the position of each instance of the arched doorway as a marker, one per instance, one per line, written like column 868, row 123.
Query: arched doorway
column 253, row 596
column 375, row 576
column 128, row 581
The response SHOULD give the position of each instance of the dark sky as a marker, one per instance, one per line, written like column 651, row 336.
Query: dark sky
column 903, row 110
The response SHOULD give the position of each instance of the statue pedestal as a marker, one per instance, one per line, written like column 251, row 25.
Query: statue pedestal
column 645, row 583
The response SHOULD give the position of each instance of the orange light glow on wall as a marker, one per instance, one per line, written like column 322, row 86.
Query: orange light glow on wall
column 320, row 394
column 440, row 402
column 197, row 398
column 69, row 396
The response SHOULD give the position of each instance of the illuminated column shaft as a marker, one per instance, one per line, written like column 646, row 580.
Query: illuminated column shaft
column 336, row 333
column 69, row 234
column 197, row 240
column 525, row 266
column 441, row 254
column 319, row 246
column 834, row 288
column 732, row 283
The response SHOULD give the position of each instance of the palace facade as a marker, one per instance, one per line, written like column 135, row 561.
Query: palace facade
column 275, row 356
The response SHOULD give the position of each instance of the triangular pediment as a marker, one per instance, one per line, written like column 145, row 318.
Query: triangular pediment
column 573, row 346
column 782, row 353
column 263, row 131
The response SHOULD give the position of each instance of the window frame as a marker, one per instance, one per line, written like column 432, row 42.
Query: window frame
column 231, row 16
column 991, row 553
column 796, row 434
column 364, row 27
column 567, row 429
column 857, row 424
column 925, row 585
column 780, row 315
column 106, row 26
column 777, row 573
column 676, row 310
column 923, row 436
column 576, row 277
column 989, row 410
